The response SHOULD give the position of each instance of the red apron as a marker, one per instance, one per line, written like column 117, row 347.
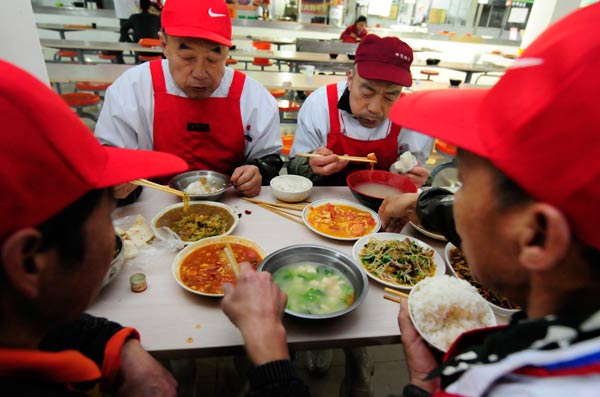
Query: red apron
column 385, row 149
column 207, row 133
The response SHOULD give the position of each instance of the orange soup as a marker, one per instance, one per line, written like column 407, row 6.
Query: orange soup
column 338, row 220
column 206, row 269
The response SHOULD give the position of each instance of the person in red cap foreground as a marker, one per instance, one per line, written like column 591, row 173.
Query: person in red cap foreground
column 527, row 215
column 192, row 105
column 352, row 117
column 56, row 245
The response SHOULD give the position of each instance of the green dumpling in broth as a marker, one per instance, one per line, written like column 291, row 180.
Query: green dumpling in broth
column 314, row 288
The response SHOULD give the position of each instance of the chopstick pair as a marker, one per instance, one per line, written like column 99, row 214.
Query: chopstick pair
column 297, row 207
column 163, row 188
column 341, row 157
column 394, row 292
column 274, row 209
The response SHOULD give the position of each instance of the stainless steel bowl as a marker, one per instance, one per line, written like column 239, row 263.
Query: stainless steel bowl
column 323, row 256
column 213, row 178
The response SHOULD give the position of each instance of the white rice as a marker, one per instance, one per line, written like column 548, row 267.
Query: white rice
column 291, row 184
column 444, row 307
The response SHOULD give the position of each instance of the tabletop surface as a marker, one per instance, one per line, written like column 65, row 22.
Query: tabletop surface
column 175, row 323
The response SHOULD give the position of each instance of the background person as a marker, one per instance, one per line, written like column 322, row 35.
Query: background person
column 192, row 105
column 142, row 25
column 355, row 32
column 351, row 117
column 54, row 257
column 533, row 241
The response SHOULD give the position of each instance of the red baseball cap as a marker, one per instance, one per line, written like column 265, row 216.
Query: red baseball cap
column 204, row 19
column 49, row 158
column 384, row 58
column 538, row 124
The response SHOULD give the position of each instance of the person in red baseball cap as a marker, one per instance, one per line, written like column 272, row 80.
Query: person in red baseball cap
column 527, row 214
column 351, row 117
column 192, row 105
column 56, row 246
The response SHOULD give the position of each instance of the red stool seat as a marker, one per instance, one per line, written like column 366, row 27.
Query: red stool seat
column 261, row 45
column 277, row 92
column 144, row 58
column 445, row 148
column 107, row 56
column 67, row 53
column 149, row 42
column 78, row 99
column 88, row 86
column 230, row 61
column 429, row 73
column 285, row 105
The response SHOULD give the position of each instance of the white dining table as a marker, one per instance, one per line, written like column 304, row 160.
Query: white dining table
column 175, row 323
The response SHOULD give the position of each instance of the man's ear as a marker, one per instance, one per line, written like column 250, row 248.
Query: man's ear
column 545, row 237
column 163, row 42
column 21, row 261
column 349, row 76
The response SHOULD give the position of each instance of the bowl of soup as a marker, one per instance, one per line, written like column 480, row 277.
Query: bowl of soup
column 371, row 187
column 320, row 282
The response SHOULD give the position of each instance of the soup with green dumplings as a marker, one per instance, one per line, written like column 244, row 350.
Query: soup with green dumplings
column 314, row 288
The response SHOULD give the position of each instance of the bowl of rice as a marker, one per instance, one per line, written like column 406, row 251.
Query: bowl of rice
column 291, row 188
column 201, row 184
column 442, row 308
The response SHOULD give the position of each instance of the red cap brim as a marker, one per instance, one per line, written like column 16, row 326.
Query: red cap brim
column 188, row 31
column 384, row 72
column 451, row 115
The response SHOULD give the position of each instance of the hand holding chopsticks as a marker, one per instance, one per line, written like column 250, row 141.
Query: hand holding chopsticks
column 394, row 292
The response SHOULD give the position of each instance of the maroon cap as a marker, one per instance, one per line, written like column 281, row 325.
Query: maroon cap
column 49, row 158
column 384, row 58
column 538, row 124
column 203, row 19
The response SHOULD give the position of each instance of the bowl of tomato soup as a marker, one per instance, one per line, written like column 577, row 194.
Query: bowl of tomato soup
column 320, row 282
column 371, row 187
column 203, row 267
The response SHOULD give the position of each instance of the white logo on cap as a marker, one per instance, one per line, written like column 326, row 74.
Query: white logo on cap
column 214, row 14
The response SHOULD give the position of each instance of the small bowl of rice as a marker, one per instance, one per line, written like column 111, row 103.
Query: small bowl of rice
column 291, row 188
column 442, row 308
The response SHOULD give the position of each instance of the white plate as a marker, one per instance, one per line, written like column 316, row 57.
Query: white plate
column 440, row 267
column 340, row 202
column 501, row 311
column 163, row 236
column 203, row 243
column 427, row 232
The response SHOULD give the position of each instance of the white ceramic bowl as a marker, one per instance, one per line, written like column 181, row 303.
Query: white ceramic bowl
column 501, row 311
column 195, row 206
column 291, row 188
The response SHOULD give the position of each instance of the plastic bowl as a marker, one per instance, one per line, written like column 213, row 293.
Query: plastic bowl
column 291, row 188
column 432, row 61
column 333, row 55
column 400, row 183
column 455, row 82
column 320, row 255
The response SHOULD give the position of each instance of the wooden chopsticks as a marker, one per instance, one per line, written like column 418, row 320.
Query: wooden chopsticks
column 297, row 207
column 394, row 292
column 153, row 185
column 343, row 157
column 276, row 209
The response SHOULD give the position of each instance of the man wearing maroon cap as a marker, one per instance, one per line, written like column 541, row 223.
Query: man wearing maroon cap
column 56, row 245
column 192, row 105
column 352, row 117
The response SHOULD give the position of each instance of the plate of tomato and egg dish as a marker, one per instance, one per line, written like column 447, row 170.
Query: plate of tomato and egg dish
column 340, row 219
column 397, row 260
column 203, row 267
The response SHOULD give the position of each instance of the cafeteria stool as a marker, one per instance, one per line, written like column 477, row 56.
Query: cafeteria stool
column 79, row 100
column 109, row 57
column 145, row 58
column 287, row 106
column 277, row 92
column 231, row 61
column 262, row 62
column 60, row 54
column 429, row 73
column 93, row 87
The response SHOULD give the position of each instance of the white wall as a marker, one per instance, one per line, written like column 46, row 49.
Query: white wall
column 21, row 43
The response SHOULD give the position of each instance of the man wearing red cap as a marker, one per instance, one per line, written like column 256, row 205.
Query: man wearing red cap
column 352, row 117
column 56, row 245
column 192, row 105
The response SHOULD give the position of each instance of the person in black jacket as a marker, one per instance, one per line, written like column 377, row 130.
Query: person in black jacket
column 57, row 241
column 142, row 25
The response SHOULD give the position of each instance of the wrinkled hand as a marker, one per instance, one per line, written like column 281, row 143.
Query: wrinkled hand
column 247, row 179
column 394, row 211
column 419, row 358
column 142, row 375
column 328, row 163
column 418, row 175
column 123, row 190
column 255, row 305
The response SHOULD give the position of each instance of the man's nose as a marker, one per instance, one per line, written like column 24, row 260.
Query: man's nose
column 375, row 105
column 200, row 70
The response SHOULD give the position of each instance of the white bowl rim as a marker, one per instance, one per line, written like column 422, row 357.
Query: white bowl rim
column 229, row 209
column 342, row 202
column 208, row 241
column 440, row 265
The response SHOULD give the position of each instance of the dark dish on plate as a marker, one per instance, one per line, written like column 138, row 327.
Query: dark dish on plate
column 200, row 221
column 461, row 268
column 400, row 262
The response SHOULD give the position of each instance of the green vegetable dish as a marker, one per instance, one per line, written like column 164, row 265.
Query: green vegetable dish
column 314, row 289
column 403, row 263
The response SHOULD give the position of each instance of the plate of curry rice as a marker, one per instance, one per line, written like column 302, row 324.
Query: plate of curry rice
column 203, row 267
column 340, row 219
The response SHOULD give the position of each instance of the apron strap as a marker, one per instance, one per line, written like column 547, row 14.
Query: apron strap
column 158, row 78
column 332, row 100
column 237, row 85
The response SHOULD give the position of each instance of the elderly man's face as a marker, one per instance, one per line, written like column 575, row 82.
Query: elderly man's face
column 197, row 65
column 371, row 100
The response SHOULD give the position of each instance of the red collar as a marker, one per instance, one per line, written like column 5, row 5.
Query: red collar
column 67, row 366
